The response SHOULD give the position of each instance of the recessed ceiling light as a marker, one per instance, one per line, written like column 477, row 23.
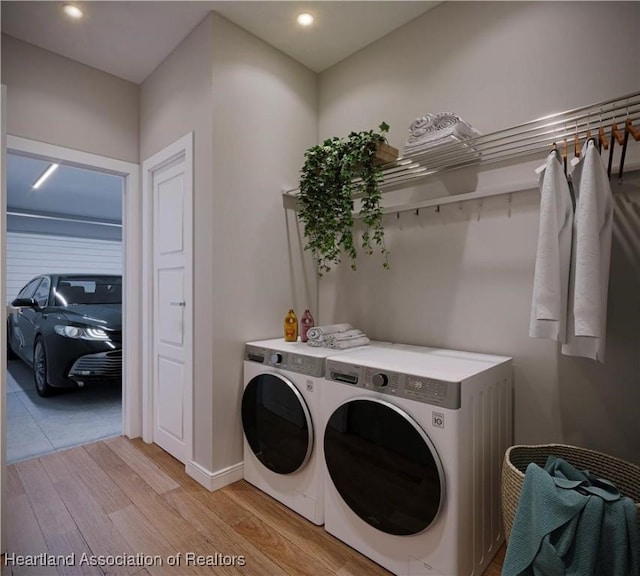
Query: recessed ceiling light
column 72, row 10
column 50, row 170
column 305, row 19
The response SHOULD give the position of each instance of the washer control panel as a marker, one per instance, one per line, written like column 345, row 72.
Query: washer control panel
column 426, row 390
column 375, row 379
column 298, row 363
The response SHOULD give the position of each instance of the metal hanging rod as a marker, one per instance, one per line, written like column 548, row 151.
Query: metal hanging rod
column 522, row 140
column 526, row 139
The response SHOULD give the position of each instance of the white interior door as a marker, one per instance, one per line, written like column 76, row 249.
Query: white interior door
column 169, row 179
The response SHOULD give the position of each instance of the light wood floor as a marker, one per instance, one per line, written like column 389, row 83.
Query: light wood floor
column 122, row 497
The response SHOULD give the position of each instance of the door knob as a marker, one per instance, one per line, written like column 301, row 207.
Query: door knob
column 182, row 304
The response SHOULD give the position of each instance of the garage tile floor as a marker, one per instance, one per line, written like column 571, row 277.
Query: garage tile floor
column 38, row 426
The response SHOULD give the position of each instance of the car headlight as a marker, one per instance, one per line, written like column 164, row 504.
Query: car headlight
column 82, row 333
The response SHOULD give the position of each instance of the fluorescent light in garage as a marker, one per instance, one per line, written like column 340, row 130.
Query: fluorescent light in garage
column 50, row 170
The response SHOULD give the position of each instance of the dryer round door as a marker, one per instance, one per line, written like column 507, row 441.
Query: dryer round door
column 384, row 466
column 277, row 423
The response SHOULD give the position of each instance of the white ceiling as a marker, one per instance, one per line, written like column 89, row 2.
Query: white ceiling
column 69, row 191
column 129, row 39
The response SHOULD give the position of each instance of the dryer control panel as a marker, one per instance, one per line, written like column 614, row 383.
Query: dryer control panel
column 298, row 363
column 426, row 390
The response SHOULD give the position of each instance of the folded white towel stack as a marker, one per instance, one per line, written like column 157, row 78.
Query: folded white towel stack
column 348, row 335
column 432, row 130
column 352, row 343
column 318, row 333
column 336, row 336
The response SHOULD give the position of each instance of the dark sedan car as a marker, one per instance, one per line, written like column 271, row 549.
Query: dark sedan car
column 68, row 327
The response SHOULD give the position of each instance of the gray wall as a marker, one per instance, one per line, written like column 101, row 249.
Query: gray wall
column 265, row 116
column 58, row 101
column 253, row 113
column 174, row 100
column 462, row 278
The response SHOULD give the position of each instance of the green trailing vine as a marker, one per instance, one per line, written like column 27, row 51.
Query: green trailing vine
column 333, row 173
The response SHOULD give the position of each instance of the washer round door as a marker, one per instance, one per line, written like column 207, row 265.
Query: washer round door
column 277, row 423
column 384, row 466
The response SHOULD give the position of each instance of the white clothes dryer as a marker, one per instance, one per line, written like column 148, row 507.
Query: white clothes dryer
column 413, row 449
column 282, row 420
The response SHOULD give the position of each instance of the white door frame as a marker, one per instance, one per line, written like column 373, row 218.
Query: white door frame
column 3, row 319
column 182, row 147
column 132, row 392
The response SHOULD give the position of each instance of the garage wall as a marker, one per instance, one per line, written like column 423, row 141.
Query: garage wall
column 31, row 254
column 57, row 225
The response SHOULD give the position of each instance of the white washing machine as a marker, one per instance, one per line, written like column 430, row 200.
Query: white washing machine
column 282, row 422
column 413, row 449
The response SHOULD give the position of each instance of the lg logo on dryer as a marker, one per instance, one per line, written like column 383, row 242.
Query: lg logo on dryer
column 437, row 419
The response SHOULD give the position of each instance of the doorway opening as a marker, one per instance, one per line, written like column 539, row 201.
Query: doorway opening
column 64, row 288
column 76, row 238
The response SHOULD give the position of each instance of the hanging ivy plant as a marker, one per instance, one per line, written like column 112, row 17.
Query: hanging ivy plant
column 333, row 173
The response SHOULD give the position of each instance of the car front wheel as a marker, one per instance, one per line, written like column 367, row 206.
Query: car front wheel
column 40, row 369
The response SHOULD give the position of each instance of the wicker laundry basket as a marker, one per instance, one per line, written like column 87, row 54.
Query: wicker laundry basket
column 624, row 475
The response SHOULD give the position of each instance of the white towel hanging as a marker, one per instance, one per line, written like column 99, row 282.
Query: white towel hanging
column 551, row 278
column 591, row 256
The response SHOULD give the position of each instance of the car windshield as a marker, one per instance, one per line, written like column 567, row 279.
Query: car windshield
column 71, row 290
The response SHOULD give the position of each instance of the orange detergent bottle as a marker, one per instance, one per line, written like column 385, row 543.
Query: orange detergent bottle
column 291, row 326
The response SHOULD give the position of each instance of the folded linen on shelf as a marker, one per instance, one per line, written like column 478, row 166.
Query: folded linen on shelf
column 352, row 343
column 431, row 130
column 318, row 333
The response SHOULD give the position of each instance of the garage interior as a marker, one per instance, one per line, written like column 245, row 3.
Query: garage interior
column 72, row 223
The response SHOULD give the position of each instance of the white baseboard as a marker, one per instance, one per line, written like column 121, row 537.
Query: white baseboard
column 215, row 480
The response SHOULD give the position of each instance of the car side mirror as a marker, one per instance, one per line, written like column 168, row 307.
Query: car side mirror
column 24, row 303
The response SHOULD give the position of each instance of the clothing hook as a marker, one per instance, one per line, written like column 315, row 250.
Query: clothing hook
column 624, row 146
column 554, row 149
column 615, row 133
column 614, row 129
column 629, row 127
column 602, row 137
column 438, row 208
column 417, row 211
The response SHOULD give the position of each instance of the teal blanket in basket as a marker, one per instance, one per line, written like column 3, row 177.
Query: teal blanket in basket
column 570, row 523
